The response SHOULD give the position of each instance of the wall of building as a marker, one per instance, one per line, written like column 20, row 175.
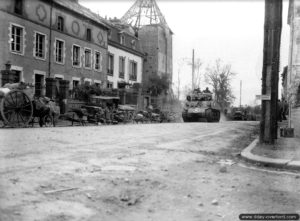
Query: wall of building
column 293, row 79
column 149, row 41
column 36, row 18
column 295, row 121
column 165, row 51
column 128, row 56
column 156, row 41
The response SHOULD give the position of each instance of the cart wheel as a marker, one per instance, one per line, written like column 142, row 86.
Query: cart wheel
column 48, row 120
column 16, row 109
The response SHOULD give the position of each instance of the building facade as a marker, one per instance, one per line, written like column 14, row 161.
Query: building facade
column 156, row 41
column 125, row 57
column 293, row 73
column 57, row 39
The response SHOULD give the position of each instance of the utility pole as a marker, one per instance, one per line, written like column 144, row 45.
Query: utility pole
column 270, row 72
column 193, row 70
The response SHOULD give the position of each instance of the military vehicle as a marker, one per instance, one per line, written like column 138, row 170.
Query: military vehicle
column 199, row 108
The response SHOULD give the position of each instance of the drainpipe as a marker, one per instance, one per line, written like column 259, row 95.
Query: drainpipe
column 50, row 40
column 290, row 67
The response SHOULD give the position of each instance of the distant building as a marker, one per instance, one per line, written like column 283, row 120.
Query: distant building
column 156, row 41
column 58, row 39
column 125, row 56
column 293, row 74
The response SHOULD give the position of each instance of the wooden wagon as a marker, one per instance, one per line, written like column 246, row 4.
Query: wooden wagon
column 19, row 107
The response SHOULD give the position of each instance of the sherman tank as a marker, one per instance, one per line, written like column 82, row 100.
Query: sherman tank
column 199, row 108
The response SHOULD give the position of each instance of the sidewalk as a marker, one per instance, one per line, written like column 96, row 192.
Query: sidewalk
column 285, row 153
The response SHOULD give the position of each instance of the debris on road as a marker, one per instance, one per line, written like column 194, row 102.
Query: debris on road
column 60, row 190
column 223, row 169
column 226, row 162
column 119, row 168
column 88, row 195
column 96, row 170
column 215, row 202
column 129, row 197
column 15, row 180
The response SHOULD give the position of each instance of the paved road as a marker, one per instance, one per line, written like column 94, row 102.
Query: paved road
column 137, row 172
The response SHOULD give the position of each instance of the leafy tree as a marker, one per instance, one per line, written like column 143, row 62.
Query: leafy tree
column 83, row 91
column 219, row 76
column 159, row 84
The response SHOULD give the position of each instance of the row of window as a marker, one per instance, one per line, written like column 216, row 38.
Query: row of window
column 60, row 24
column 122, row 39
column 39, row 50
column 18, row 9
column 60, row 27
column 132, row 67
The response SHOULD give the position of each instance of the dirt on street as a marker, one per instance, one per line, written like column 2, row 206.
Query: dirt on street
column 137, row 172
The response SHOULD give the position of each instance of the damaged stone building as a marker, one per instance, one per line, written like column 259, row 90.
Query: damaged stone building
column 52, row 39
column 156, row 41
column 63, row 40
column 291, row 86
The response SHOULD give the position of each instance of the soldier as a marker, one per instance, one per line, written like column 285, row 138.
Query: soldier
column 197, row 90
column 207, row 90
column 188, row 102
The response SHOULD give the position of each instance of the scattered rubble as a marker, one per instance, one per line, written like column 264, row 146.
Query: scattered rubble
column 60, row 190
column 223, row 169
column 130, row 197
column 88, row 195
column 215, row 202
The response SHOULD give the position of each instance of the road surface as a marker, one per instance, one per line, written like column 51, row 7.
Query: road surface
column 138, row 172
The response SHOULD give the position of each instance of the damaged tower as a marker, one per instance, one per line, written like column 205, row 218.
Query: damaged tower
column 155, row 37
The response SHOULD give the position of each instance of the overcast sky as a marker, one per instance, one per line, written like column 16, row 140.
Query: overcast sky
column 229, row 30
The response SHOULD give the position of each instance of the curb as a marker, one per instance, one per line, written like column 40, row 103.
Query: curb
column 279, row 163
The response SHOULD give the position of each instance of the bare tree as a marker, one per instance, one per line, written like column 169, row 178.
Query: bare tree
column 219, row 76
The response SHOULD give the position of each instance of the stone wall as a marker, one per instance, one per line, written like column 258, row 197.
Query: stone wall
column 156, row 41
column 35, row 18
column 295, row 121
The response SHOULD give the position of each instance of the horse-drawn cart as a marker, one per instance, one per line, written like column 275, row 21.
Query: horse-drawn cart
column 16, row 107
column 19, row 107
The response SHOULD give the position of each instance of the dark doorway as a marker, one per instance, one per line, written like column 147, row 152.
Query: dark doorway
column 39, row 84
